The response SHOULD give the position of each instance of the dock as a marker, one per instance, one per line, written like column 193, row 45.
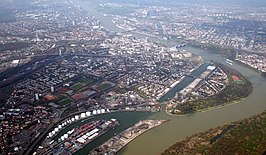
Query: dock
column 116, row 143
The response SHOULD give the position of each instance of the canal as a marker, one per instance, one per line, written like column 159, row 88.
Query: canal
column 156, row 140
column 184, row 83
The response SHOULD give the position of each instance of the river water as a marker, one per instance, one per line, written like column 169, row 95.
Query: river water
column 184, row 83
column 156, row 140
column 180, row 127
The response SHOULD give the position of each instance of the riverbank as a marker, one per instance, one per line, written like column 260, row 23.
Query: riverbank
column 227, row 52
column 263, row 74
column 207, row 109
column 243, row 137
column 176, row 83
column 180, row 127
column 116, row 143
column 184, row 83
column 236, row 91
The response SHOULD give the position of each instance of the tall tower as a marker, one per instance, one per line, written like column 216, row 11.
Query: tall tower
column 37, row 36
column 147, row 49
column 146, row 39
column 60, row 51
column 37, row 97
column 52, row 89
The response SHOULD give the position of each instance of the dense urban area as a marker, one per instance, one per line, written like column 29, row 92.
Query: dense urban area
column 60, row 65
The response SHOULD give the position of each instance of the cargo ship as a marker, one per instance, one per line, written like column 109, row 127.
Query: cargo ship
column 77, row 138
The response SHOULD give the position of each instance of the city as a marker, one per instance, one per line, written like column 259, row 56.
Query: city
column 80, row 77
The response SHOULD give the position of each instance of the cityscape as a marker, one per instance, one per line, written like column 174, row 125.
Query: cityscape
column 113, row 76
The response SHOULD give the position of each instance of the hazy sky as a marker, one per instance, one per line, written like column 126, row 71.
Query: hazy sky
column 241, row 2
column 260, row 3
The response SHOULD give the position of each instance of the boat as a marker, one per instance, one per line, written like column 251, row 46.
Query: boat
column 229, row 60
column 229, row 63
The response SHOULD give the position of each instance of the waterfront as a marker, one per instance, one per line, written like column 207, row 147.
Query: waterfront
column 117, row 142
column 178, row 128
column 94, row 68
column 183, row 83
column 126, row 119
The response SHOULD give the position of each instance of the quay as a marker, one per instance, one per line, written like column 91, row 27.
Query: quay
column 116, row 143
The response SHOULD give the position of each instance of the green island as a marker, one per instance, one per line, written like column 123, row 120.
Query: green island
column 243, row 137
column 236, row 90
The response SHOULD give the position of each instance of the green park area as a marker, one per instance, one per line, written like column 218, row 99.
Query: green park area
column 64, row 102
column 87, row 80
column 78, row 86
column 104, row 86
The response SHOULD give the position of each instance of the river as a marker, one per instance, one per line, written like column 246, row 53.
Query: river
column 180, row 127
column 156, row 140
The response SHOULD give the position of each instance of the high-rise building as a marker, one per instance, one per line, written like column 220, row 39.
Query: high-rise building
column 37, row 97
column 52, row 89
